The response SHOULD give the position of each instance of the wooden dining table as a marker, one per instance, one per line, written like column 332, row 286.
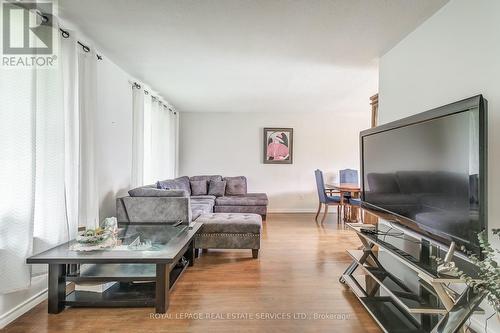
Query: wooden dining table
column 353, row 188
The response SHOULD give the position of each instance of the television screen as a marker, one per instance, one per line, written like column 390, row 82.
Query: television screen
column 429, row 170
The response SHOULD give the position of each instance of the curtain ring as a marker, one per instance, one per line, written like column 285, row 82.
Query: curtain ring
column 136, row 85
column 85, row 47
column 44, row 17
column 64, row 33
column 146, row 92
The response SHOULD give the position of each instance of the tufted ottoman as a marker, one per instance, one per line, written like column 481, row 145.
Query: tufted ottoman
column 229, row 231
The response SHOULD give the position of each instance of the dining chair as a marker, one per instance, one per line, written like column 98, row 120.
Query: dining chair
column 348, row 176
column 356, row 203
column 324, row 199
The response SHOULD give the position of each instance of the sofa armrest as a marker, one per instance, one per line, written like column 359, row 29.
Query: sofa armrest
column 153, row 209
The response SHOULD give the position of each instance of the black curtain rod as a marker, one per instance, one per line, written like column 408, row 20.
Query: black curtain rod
column 85, row 48
column 146, row 92
column 46, row 18
column 64, row 33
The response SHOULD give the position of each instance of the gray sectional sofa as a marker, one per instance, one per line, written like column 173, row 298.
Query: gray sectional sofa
column 231, row 217
column 219, row 195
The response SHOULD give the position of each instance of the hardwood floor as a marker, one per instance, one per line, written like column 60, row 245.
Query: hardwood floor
column 296, row 274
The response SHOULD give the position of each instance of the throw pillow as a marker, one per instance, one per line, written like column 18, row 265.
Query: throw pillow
column 217, row 188
column 163, row 185
column 236, row 185
column 199, row 187
column 181, row 183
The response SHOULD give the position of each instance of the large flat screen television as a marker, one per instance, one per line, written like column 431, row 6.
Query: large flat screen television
column 428, row 171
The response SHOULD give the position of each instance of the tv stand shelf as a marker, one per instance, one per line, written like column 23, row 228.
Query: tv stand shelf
column 428, row 305
column 397, row 290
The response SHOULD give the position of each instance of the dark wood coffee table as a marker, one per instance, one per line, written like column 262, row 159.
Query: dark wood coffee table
column 144, row 277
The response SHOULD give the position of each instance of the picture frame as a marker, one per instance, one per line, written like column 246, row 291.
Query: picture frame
column 278, row 145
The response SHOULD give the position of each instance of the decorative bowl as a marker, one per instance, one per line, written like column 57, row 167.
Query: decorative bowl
column 93, row 236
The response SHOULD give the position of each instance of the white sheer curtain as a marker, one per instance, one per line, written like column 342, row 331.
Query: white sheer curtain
column 167, row 143
column 163, row 143
column 154, row 138
column 176, row 156
column 17, row 176
column 173, row 143
column 148, row 158
column 36, row 201
column 50, row 225
column 69, row 67
column 137, row 136
column 88, row 206
column 158, row 130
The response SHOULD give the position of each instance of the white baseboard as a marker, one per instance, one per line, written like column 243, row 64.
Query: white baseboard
column 22, row 308
column 289, row 210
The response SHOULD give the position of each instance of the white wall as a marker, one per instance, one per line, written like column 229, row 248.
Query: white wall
column 230, row 144
column 453, row 55
column 113, row 135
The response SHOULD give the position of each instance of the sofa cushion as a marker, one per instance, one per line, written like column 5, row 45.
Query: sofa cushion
column 199, row 187
column 230, row 223
column 236, row 185
column 207, row 178
column 206, row 207
column 203, row 197
column 146, row 191
column 261, row 210
column 197, row 210
column 202, row 201
column 217, row 187
column 250, row 199
column 181, row 183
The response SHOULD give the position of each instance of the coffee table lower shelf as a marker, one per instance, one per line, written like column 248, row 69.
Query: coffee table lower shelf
column 121, row 294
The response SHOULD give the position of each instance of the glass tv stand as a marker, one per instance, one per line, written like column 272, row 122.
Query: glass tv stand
column 394, row 275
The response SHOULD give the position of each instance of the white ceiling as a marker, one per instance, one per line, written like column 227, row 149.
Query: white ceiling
column 260, row 55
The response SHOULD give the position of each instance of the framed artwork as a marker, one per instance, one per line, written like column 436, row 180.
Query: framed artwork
column 278, row 145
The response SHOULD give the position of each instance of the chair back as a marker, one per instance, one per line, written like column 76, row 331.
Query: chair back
column 348, row 176
column 320, row 184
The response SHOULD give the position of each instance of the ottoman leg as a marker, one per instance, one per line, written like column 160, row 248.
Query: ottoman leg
column 205, row 251
column 255, row 253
